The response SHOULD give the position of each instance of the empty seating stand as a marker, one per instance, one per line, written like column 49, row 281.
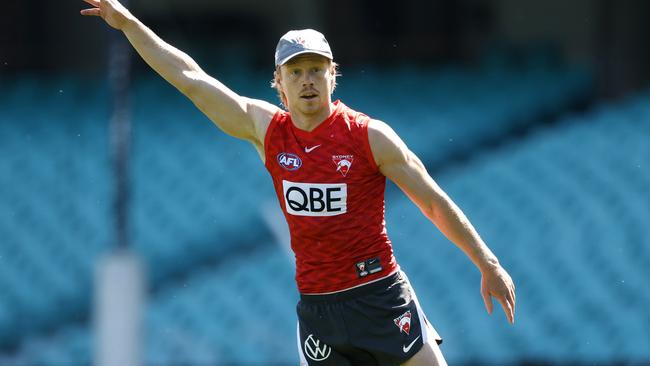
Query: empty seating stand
column 563, row 209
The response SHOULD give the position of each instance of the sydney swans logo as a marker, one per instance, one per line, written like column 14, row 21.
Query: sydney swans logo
column 343, row 163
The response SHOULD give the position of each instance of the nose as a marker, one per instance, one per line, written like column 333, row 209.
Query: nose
column 308, row 80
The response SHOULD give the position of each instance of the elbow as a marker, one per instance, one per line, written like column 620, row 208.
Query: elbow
column 188, row 82
column 433, row 213
column 437, row 209
column 430, row 210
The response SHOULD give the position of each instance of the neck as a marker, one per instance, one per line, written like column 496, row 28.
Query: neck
column 309, row 121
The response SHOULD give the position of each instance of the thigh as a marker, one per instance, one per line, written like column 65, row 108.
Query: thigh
column 314, row 351
column 428, row 355
column 390, row 324
column 321, row 334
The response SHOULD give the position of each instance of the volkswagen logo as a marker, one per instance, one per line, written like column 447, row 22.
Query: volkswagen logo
column 316, row 350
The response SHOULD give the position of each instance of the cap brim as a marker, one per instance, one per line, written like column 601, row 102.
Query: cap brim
column 286, row 59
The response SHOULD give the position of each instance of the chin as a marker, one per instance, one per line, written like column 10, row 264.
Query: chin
column 311, row 106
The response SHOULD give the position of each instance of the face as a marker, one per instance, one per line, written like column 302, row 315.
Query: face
column 306, row 81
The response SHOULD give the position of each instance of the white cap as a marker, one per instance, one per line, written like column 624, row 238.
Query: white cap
column 298, row 42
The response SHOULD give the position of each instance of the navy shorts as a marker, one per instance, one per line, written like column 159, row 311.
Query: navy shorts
column 380, row 323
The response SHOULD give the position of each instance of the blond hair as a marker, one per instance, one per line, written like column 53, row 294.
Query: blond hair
column 275, row 83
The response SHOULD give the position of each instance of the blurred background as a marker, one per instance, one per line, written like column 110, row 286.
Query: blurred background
column 533, row 116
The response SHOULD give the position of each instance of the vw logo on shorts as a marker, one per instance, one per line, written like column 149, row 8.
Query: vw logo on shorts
column 315, row 350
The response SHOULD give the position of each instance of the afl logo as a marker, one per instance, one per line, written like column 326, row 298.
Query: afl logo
column 289, row 161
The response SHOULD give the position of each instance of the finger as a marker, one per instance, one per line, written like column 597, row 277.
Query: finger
column 92, row 2
column 93, row 12
column 511, row 300
column 507, row 309
column 487, row 300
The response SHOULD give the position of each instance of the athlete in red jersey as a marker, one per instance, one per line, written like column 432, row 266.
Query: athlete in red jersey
column 323, row 157
column 332, row 194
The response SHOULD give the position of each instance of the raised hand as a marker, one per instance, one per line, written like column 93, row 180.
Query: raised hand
column 496, row 282
column 114, row 13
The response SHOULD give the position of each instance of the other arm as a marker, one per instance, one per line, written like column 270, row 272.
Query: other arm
column 238, row 116
column 404, row 168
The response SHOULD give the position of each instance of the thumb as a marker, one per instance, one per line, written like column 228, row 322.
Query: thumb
column 91, row 12
column 486, row 297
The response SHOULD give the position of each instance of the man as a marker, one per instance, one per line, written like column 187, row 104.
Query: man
column 329, row 165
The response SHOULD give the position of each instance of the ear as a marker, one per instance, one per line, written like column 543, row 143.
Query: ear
column 333, row 71
column 277, row 77
column 332, row 68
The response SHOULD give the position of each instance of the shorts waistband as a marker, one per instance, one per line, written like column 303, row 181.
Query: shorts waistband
column 353, row 292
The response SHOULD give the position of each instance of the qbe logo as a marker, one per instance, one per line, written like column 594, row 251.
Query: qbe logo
column 315, row 199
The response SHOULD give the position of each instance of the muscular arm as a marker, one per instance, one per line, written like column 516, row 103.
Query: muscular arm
column 403, row 167
column 238, row 116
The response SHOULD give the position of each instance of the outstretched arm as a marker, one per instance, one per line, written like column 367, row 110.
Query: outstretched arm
column 404, row 168
column 238, row 116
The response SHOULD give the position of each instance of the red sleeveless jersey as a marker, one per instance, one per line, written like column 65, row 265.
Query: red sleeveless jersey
column 332, row 195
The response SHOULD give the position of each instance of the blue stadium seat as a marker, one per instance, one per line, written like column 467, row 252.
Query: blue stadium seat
column 565, row 210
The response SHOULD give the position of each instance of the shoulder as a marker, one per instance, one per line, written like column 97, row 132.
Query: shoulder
column 262, row 113
column 385, row 144
column 354, row 117
column 379, row 128
column 380, row 134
